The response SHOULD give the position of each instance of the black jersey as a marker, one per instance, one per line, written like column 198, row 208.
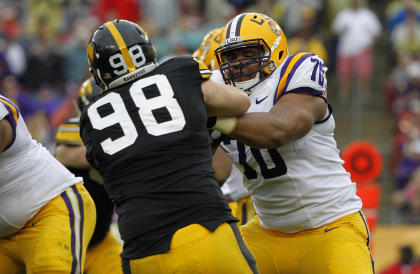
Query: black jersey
column 68, row 134
column 150, row 142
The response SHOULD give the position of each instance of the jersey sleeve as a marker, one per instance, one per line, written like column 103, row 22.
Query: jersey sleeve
column 68, row 133
column 187, row 68
column 302, row 73
column 204, row 70
column 85, row 134
column 9, row 111
column 217, row 76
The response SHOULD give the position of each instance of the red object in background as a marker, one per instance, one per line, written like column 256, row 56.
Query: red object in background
column 370, row 194
column 398, row 268
column 364, row 163
column 122, row 9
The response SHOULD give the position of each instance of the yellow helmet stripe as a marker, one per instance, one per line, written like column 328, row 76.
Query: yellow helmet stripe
column 121, row 44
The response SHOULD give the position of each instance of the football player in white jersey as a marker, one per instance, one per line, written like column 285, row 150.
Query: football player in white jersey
column 308, row 214
column 46, row 215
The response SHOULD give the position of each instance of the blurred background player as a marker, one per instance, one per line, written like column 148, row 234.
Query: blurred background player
column 232, row 179
column 208, row 45
column 46, row 215
column 147, row 135
column 309, row 217
column 103, row 253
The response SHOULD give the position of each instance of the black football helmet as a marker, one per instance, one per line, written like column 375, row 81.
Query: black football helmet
column 88, row 91
column 118, row 52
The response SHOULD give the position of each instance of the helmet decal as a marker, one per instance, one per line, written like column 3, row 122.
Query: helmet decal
column 274, row 27
column 121, row 44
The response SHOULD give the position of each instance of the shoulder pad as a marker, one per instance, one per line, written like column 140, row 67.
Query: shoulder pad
column 304, row 73
column 205, row 72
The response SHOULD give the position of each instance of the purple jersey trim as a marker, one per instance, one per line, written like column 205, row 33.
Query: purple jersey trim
column 290, row 75
column 73, row 233
column 328, row 116
column 82, row 218
column 311, row 91
column 11, row 119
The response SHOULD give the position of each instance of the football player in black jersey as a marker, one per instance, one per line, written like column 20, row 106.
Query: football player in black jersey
column 146, row 134
column 103, row 253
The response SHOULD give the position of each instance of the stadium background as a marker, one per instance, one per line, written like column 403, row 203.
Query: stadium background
column 43, row 62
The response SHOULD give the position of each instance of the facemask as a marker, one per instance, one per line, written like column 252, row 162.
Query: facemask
column 246, row 85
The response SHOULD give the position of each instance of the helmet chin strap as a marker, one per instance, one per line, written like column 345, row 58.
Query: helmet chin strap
column 248, row 84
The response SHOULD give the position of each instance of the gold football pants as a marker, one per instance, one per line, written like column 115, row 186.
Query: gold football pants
column 194, row 249
column 104, row 257
column 339, row 247
column 243, row 209
column 55, row 239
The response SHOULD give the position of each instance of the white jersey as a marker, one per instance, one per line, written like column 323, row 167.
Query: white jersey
column 234, row 185
column 29, row 175
column 301, row 185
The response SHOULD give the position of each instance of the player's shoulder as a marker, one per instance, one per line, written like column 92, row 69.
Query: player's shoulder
column 8, row 107
column 299, row 60
column 178, row 62
column 302, row 72
column 186, row 64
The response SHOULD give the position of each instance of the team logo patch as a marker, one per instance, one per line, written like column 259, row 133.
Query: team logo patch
column 274, row 28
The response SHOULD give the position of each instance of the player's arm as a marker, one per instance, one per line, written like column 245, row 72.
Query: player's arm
column 224, row 100
column 6, row 134
column 72, row 156
column 291, row 118
column 222, row 165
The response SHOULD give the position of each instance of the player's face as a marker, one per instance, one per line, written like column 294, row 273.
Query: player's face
column 242, row 62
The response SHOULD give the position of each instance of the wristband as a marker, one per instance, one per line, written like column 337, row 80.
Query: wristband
column 225, row 124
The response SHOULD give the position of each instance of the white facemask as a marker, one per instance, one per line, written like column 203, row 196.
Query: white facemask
column 245, row 85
